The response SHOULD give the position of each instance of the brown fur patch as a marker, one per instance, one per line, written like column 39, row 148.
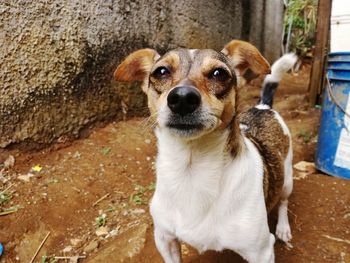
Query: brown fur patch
column 173, row 60
column 246, row 56
column 230, row 121
column 136, row 66
column 204, row 64
column 227, row 114
column 235, row 141
column 267, row 135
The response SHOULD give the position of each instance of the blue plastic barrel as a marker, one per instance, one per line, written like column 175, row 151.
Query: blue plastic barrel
column 333, row 148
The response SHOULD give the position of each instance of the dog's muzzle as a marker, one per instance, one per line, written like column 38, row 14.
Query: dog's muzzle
column 184, row 103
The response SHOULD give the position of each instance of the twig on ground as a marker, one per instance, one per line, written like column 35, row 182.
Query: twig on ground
column 3, row 191
column 99, row 200
column 7, row 212
column 70, row 257
column 295, row 219
column 337, row 239
column 40, row 246
column 127, row 177
column 76, row 189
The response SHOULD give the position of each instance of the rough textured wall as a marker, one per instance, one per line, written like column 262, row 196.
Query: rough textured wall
column 58, row 57
column 263, row 25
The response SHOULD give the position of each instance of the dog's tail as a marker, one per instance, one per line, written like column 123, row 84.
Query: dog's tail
column 282, row 65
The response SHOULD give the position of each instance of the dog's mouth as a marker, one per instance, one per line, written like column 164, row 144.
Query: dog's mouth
column 185, row 126
column 189, row 126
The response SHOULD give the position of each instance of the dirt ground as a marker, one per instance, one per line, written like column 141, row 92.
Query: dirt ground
column 91, row 196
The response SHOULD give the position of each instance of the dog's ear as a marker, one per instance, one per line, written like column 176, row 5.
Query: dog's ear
column 246, row 59
column 136, row 66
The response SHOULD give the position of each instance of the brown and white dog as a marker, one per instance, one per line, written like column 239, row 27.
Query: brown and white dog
column 219, row 171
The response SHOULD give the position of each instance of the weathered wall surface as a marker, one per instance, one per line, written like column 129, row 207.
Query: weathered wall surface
column 57, row 57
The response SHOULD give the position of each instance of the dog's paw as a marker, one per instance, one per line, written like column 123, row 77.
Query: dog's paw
column 283, row 232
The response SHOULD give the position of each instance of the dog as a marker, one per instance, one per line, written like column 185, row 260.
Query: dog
column 219, row 171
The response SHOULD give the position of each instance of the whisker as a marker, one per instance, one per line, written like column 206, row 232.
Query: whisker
column 150, row 122
column 149, row 126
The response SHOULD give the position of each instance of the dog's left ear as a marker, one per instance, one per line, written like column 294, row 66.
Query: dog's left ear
column 136, row 66
column 246, row 59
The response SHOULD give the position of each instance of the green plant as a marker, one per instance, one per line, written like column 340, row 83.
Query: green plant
column 106, row 150
column 46, row 259
column 305, row 135
column 111, row 208
column 4, row 197
column 152, row 186
column 137, row 197
column 12, row 208
column 101, row 220
column 303, row 15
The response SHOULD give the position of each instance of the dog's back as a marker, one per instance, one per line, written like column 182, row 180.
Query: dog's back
column 267, row 130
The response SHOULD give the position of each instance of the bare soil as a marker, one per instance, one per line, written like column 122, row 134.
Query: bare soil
column 116, row 163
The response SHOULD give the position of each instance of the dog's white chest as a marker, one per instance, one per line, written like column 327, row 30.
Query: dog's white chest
column 203, row 235
column 190, row 205
column 199, row 195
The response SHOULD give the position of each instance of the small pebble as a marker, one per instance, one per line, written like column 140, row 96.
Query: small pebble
column 9, row 162
column 75, row 241
column 138, row 211
column 102, row 231
column 91, row 246
column 67, row 249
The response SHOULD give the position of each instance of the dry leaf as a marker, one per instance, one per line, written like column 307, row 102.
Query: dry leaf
column 25, row 178
column 75, row 241
column 102, row 231
column 304, row 166
column 300, row 175
column 67, row 249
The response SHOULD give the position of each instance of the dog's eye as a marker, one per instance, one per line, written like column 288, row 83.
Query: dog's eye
column 161, row 73
column 219, row 74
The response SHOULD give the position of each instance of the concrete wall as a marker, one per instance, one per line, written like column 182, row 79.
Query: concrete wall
column 58, row 56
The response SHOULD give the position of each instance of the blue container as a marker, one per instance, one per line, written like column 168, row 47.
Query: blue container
column 333, row 148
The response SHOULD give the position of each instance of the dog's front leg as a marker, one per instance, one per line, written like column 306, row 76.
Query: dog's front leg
column 168, row 246
column 262, row 251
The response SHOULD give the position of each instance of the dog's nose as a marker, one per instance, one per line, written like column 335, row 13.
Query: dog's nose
column 184, row 100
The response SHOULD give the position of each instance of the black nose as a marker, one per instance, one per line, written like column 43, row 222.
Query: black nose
column 184, row 100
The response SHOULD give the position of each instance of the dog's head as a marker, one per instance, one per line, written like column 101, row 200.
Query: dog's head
column 192, row 92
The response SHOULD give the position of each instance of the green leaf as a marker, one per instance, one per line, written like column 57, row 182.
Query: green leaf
column 106, row 150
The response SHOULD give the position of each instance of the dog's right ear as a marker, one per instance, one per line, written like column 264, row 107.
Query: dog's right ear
column 246, row 59
column 136, row 66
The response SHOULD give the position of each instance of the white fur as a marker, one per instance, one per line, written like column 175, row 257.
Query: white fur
column 283, row 125
column 208, row 200
column 283, row 231
column 243, row 127
column 263, row 107
column 281, row 66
